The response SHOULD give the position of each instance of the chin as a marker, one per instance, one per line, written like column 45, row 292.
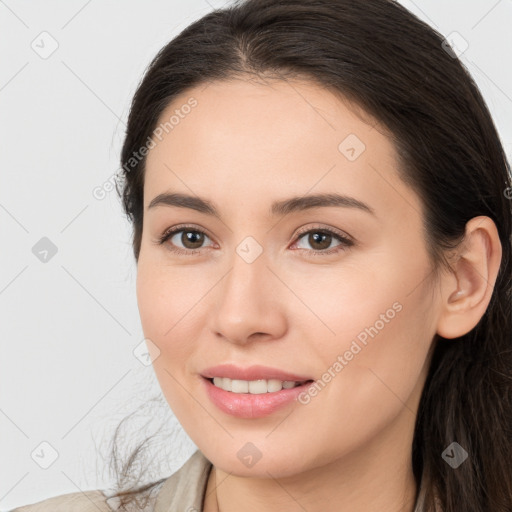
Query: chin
column 246, row 459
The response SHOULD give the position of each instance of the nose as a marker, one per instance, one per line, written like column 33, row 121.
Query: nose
column 249, row 303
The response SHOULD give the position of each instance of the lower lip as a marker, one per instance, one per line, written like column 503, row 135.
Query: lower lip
column 247, row 405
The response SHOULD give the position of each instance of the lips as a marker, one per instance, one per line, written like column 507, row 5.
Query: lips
column 255, row 372
column 249, row 405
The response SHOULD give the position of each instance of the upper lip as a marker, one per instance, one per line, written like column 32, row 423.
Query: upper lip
column 256, row 372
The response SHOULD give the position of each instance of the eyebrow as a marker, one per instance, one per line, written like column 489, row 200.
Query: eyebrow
column 278, row 208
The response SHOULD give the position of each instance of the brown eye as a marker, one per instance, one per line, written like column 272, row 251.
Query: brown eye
column 320, row 241
column 183, row 239
column 189, row 240
column 192, row 239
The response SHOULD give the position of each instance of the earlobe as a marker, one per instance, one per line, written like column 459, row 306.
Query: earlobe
column 467, row 291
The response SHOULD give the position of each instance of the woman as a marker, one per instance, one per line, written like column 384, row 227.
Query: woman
column 322, row 232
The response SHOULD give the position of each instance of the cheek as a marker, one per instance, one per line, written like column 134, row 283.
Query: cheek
column 174, row 303
column 382, row 325
column 163, row 315
column 371, row 375
column 163, row 303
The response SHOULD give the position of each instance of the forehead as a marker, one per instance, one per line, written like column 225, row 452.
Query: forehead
column 275, row 115
column 248, row 138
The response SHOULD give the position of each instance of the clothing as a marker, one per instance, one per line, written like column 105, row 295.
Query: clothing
column 183, row 491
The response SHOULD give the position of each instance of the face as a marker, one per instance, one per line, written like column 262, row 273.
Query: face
column 335, row 298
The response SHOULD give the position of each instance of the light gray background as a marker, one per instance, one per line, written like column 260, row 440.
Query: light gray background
column 69, row 326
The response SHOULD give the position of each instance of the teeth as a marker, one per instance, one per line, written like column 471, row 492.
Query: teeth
column 254, row 387
column 239, row 386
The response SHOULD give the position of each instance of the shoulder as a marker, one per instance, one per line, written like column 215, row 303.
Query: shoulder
column 87, row 501
column 183, row 490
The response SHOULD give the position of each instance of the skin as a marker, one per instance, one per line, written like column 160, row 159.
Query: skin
column 245, row 145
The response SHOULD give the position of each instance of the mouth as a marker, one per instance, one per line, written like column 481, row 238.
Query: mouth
column 252, row 392
column 252, row 374
column 255, row 387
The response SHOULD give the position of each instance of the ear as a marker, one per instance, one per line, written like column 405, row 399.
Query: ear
column 467, row 291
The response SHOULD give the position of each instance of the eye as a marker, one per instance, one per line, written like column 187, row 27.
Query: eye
column 321, row 239
column 193, row 238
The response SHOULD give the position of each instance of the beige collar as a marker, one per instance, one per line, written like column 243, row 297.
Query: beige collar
column 184, row 490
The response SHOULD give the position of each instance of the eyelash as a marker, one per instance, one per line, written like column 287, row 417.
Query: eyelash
column 345, row 242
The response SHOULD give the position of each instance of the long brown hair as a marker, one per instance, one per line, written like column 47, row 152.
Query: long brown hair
column 400, row 71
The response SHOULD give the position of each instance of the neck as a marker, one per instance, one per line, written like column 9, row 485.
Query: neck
column 376, row 476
